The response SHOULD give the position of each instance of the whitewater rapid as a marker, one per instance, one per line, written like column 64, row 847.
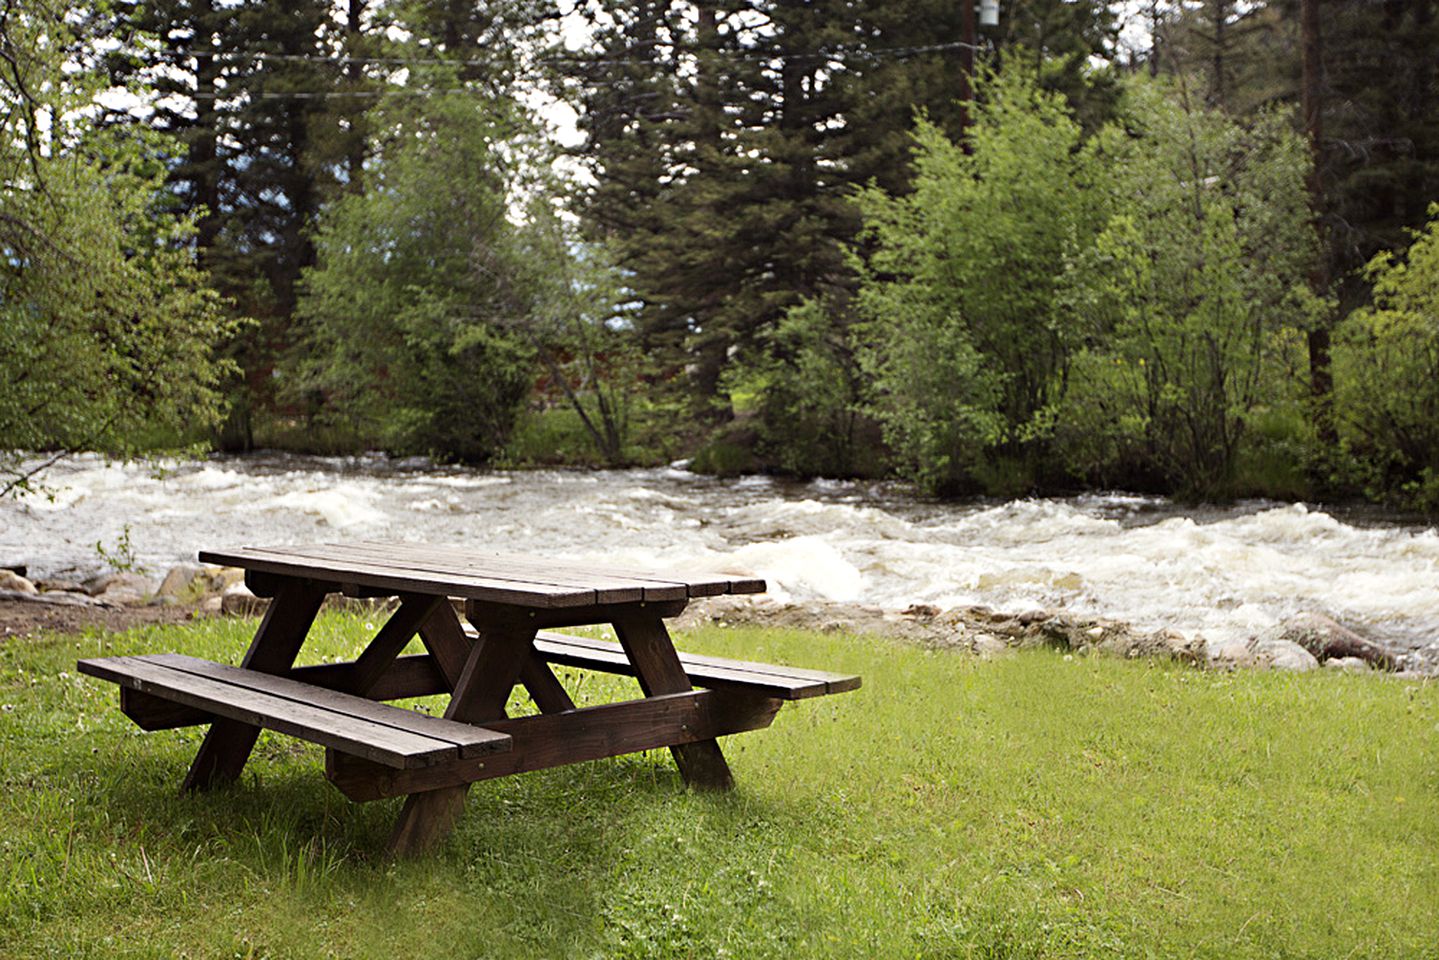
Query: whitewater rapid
column 1225, row 573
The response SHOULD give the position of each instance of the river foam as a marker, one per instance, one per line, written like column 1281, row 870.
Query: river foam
column 1225, row 573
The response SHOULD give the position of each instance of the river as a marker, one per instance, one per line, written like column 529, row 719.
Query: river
column 1223, row 572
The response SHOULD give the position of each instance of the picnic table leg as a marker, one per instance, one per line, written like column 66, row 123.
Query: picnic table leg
column 490, row 672
column 648, row 645
column 228, row 743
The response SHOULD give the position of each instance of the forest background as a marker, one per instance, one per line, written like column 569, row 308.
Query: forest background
column 1185, row 247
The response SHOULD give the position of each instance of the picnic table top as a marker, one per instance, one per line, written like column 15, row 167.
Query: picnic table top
column 533, row 581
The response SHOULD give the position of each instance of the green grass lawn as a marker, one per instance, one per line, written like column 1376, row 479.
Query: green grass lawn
column 1024, row 807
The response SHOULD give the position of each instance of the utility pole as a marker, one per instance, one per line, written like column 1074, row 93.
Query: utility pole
column 966, row 69
column 1321, row 375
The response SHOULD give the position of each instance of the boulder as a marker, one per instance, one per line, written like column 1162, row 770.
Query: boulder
column 15, row 583
column 1327, row 639
column 181, row 579
column 1236, row 653
column 123, row 588
column 221, row 578
column 238, row 601
column 987, row 646
column 1421, row 661
column 1279, row 654
column 1347, row 664
column 60, row 586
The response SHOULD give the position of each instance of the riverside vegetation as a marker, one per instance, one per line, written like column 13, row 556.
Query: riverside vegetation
column 1030, row 806
column 785, row 246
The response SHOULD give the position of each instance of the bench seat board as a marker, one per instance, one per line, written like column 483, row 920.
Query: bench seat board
column 570, row 736
column 786, row 683
column 386, row 735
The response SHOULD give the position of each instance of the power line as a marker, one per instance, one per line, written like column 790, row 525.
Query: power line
column 823, row 54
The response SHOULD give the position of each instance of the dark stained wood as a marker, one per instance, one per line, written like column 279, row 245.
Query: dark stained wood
column 497, row 564
column 480, row 611
column 609, row 588
column 555, row 739
column 445, row 639
column 787, row 683
column 417, row 675
column 287, row 620
column 156, row 713
column 658, row 669
column 397, row 632
column 331, row 725
column 462, row 572
column 543, row 686
column 400, row 581
column 480, row 696
column 468, row 740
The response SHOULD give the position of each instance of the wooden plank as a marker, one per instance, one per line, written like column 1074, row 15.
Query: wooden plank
column 772, row 680
column 555, row 739
column 441, row 570
column 483, row 689
column 449, row 564
column 697, row 585
column 282, row 629
column 657, row 667
column 469, row 741
column 156, row 713
column 397, row 581
column 393, row 637
column 417, row 675
column 481, row 612
column 608, row 587
column 381, row 743
column 445, row 639
column 543, row 686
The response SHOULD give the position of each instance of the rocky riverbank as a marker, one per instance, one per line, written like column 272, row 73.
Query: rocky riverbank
column 1311, row 641
column 1305, row 642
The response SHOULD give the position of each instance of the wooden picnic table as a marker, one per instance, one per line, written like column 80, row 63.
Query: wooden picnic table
column 374, row 750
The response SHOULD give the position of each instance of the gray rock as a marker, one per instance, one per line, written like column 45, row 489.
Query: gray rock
column 987, row 646
column 1347, row 664
column 223, row 577
column 181, row 579
column 1327, row 639
column 1236, row 653
column 56, row 599
column 123, row 588
column 1282, row 655
column 60, row 586
column 15, row 583
column 1423, row 661
column 127, row 580
column 238, row 601
column 211, row 605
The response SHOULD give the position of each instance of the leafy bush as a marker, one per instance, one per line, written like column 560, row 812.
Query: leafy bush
column 410, row 309
column 963, row 333
column 1387, row 374
column 1189, row 296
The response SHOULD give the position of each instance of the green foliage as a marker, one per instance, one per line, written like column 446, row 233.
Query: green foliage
column 411, row 305
column 120, row 557
column 1023, row 807
column 1190, row 296
column 107, row 326
column 807, row 387
column 1387, row 374
column 965, row 336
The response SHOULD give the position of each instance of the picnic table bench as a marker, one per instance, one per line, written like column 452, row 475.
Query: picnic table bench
column 374, row 750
